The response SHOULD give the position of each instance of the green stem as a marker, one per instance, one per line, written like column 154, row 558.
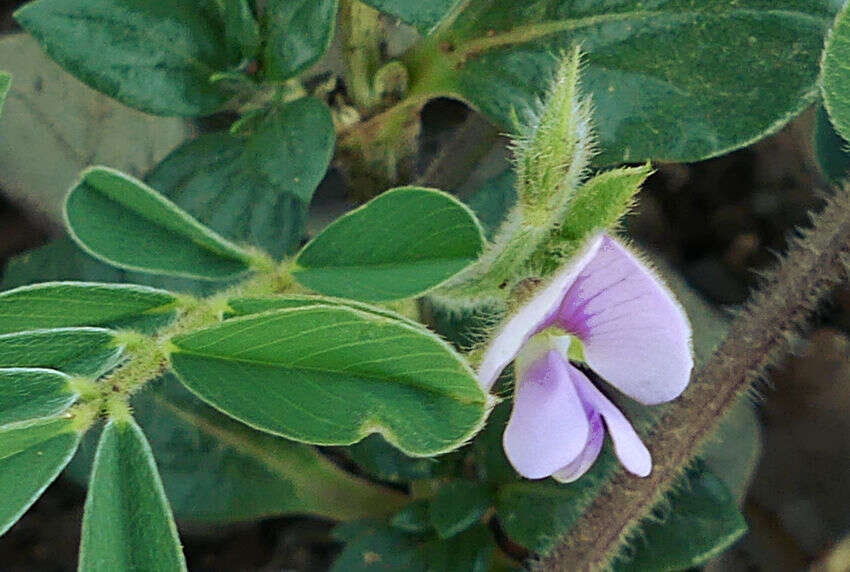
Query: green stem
column 759, row 337
column 360, row 32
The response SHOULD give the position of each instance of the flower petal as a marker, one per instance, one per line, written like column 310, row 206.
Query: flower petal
column 548, row 427
column 635, row 335
column 532, row 317
column 627, row 444
column 588, row 456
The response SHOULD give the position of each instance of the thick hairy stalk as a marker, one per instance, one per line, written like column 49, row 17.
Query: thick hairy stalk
column 759, row 337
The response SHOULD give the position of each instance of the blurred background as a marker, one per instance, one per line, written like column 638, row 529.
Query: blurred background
column 717, row 223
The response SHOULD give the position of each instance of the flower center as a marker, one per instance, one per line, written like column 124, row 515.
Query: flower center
column 541, row 343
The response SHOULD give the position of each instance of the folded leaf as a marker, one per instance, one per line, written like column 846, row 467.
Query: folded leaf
column 332, row 375
column 398, row 245
column 298, row 32
column 30, row 393
column 63, row 304
column 152, row 55
column 26, row 474
column 75, row 351
column 679, row 80
column 126, row 223
column 127, row 523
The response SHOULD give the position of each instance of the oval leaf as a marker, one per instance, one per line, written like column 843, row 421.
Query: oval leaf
column 28, row 472
column 832, row 151
column 297, row 32
column 400, row 244
column 127, row 523
column 31, row 393
column 151, row 55
column 126, row 223
column 836, row 74
column 75, row 351
column 20, row 437
column 248, row 306
column 332, row 375
column 63, row 304
column 666, row 79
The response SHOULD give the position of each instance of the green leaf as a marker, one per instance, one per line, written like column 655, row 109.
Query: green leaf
column 75, row 351
column 127, row 524
column 218, row 470
column 832, row 151
column 332, row 375
column 413, row 517
column 400, row 244
column 23, row 436
column 63, row 304
column 734, row 450
column 152, row 55
column 701, row 521
column 423, row 15
column 5, row 86
column 685, row 80
column 51, row 115
column 128, row 224
column 381, row 460
column 298, row 33
column 26, row 474
column 376, row 546
column 457, row 506
column 254, row 189
column 470, row 551
column 493, row 200
column 249, row 306
column 241, row 28
column 33, row 393
column 373, row 546
column 836, row 74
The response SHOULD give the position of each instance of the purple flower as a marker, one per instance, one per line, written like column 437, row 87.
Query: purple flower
column 607, row 309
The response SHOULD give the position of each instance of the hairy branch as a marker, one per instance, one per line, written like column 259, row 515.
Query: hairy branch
column 758, row 337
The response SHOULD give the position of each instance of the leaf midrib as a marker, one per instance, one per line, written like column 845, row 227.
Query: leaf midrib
column 341, row 373
column 532, row 32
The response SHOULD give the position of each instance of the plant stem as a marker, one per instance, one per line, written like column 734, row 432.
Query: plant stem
column 758, row 337
column 360, row 31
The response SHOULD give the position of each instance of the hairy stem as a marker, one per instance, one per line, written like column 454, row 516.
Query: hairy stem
column 758, row 337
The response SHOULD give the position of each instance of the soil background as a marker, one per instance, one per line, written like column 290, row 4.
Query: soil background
column 718, row 222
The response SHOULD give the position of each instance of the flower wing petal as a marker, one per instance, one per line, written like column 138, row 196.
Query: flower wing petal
column 627, row 444
column 635, row 334
column 588, row 456
column 532, row 317
column 548, row 428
